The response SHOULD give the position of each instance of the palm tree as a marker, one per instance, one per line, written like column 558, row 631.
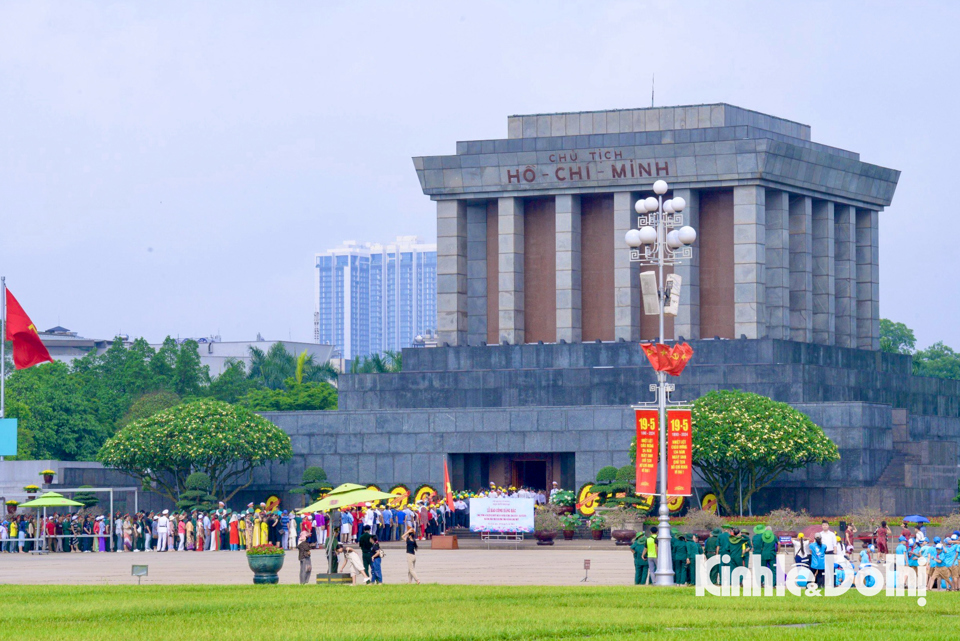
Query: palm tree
column 377, row 363
column 307, row 370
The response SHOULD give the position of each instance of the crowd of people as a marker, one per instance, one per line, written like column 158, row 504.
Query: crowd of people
column 941, row 556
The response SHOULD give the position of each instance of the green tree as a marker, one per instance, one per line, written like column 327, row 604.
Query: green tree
column 223, row 441
column 232, row 384
column 313, row 483
column 89, row 499
column 896, row 338
column 189, row 376
column 377, row 363
column 938, row 360
column 197, row 495
column 296, row 396
column 744, row 441
column 57, row 414
column 148, row 405
column 273, row 367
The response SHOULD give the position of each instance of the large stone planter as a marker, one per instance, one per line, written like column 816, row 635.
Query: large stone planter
column 265, row 567
column 623, row 537
column 544, row 537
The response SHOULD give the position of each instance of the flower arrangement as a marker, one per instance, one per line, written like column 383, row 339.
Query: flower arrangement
column 569, row 521
column 597, row 522
column 263, row 550
column 564, row 498
column 31, row 489
column 48, row 473
column 12, row 502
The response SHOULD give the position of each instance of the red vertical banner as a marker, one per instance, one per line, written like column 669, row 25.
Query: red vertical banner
column 679, row 458
column 647, row 447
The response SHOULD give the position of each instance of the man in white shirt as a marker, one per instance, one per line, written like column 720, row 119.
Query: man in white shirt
column 554, row 489
column 828, row 538
column 163, row 526
column 118, row 532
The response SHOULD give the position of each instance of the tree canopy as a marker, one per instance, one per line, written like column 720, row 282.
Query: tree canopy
column 224, row 441
column 377, row 363
column 273, row 367
column 744, row 440
column 296, row 396
column 938, row 360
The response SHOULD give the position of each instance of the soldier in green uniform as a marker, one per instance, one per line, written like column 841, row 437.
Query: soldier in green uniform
column 739, row 550
column 693, row 549
column 724, row 539
column 678, row 552
column 640, row 565
column 651, row 543
column 757, row 542
column 768, row 553
column 712, row 548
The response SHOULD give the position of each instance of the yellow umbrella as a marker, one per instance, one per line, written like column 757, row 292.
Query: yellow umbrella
column 346, row 495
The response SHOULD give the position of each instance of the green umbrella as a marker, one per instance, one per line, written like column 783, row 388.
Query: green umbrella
column 347, row 495
column 52, row 499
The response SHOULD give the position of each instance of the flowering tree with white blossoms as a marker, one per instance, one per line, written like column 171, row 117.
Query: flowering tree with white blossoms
column 224, row 441
column 742, row 442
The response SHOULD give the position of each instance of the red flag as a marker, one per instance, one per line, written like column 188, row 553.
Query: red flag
column 28, row 349
column 671, row 360
column 448, row 491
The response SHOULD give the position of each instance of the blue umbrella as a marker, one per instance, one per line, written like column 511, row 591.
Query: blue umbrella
column 916, row 518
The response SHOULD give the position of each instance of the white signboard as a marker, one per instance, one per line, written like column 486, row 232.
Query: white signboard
column 501, row 515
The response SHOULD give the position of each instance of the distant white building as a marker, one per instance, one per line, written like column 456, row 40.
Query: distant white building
column 215, row 353
column 66, row 346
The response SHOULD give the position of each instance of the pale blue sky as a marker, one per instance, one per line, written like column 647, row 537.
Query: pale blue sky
column 171, row 168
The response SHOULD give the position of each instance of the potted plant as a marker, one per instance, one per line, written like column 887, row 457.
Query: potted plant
column 618, row 517
column 265, row 561
column 12, row 507
column 597, row 524
column 786, row 522
column 565, row 500
column 569, row 524
column 31, row 491
column 545, row 525
column 48, row 476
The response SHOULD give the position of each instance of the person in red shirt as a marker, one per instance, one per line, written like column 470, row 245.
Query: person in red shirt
column 51, row 530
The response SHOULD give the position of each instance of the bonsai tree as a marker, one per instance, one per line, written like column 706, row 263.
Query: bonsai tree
column 313, row 483
column 607, row 474
column 702, row 520
column 89, row 499
column 197, row 495
column 786, row 520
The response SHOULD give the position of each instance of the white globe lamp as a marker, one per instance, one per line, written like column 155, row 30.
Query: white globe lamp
column 687, row 235
column 660, row 187
column 648, row 235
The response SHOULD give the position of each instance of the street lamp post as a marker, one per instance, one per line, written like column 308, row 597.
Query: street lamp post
column 661, row 239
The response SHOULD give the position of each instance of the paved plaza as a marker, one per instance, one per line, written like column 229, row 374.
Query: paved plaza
column 474, row 565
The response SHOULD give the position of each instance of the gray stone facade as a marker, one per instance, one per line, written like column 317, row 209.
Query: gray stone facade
column 898, row 435
column 820, row 291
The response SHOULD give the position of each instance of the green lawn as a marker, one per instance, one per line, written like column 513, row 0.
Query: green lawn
column 434, row 612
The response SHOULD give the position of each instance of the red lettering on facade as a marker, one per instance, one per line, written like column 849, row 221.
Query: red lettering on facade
column 576, row 171
column 557, row 174
column 553, row 158
column 641, row 169
column 529, row 174
column 666, row 168
column 617, row 155
column 619, row 172
column 513, row 175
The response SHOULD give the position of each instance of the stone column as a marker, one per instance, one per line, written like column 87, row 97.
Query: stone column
column 749, row 259
column 626, row 275
column 801, row 269
column 778, row 264
column 476, row 274
column 569, row 273
column 824, row 274
column 845, row 260
column 868, row 279
column 452, row 272
column 510, row 223
column 687, row 323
